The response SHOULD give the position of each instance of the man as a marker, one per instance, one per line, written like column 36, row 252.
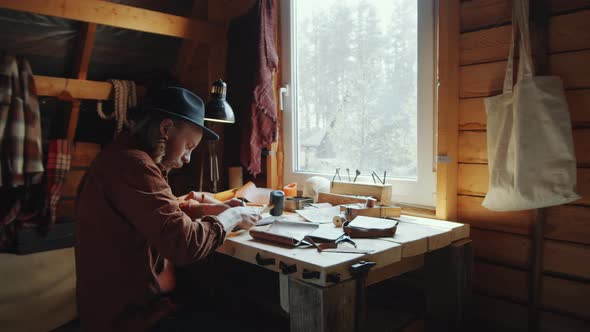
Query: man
column 128, row 220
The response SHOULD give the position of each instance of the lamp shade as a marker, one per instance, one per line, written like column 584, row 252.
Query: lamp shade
column 217, row 109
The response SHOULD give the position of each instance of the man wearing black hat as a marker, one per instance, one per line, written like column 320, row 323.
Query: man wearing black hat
column 128, row 220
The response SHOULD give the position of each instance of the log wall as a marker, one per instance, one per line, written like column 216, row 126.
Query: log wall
column 502, row 240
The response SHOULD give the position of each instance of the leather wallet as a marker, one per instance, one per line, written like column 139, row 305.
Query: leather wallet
column 369, row 227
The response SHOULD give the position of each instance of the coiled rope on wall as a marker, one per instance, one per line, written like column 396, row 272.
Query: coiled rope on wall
column 124, row 96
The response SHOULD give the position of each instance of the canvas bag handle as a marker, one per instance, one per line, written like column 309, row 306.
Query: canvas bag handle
column 520, row 25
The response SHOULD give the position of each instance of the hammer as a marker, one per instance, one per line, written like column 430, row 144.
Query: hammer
column 275, row 204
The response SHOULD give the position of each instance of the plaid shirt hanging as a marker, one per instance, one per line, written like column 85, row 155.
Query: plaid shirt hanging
column 58, row 165
column 20, row 124
column 21, row 156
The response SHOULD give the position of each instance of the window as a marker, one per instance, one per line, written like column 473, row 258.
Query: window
column 360, row 77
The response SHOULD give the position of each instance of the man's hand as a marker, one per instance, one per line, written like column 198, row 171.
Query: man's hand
column 234, row 202
column 166, row 278
column 241, row 217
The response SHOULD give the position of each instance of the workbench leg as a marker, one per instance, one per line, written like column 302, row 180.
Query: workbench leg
column 448, row 286
column 322, row 309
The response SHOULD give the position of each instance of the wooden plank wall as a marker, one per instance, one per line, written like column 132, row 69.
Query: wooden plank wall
column 83, row 154
column 502, row 241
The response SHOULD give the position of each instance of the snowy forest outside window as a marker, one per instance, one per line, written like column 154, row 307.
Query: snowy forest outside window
column 361, row 77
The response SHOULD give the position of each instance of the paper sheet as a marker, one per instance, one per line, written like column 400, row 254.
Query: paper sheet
column 319, row 215
column 370, row 222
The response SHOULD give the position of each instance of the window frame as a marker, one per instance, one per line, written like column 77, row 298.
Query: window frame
column 420, row 192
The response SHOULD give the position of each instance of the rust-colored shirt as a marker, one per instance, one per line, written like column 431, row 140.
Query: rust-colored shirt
column 127, row 217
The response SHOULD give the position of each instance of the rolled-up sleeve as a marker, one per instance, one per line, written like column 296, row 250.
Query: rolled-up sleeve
column 142, row 196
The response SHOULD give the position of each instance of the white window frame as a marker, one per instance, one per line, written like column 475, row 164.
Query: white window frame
column 419, row 192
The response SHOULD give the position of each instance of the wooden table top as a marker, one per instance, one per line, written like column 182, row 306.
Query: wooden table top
column 414, row 236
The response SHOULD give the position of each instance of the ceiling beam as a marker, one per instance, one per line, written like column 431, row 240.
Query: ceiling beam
column 121, row 16
column 78, row 89
column 84, row 50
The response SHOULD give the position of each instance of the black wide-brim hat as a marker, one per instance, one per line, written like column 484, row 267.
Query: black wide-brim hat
column 182, row 104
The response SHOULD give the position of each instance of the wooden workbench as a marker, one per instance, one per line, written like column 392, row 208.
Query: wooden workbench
column 320, row 294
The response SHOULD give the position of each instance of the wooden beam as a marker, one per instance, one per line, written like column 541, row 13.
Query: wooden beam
column 474, row 179
column 274, row 162
column 486, row 79
column 503, row 248
column 572, row 68
column 500, row 281
column 566, row 258
column 568, row 223
column 121, row 16
column 472, row 114
column 473, row 147
column 448, row 105
column 323, row 309
column 558, row 6
column 566, row 33
column 79, row 89
column 567, row 296
column 484, row 13
column 80, row 71
column 73, row 120
column 480, row 14
column 482, row 80
column 471, row 212
column 84, row 52
column 485, row 45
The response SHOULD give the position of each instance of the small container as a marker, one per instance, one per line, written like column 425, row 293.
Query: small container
column 290, row 189
column 296, row 203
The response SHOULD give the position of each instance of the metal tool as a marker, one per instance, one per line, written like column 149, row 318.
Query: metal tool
column 297, row 203
column 378, row 178
column 348, row 172
column 334, row 177
column 356, row 176
column 276, row 203
column 333, row 247
column 345, row 238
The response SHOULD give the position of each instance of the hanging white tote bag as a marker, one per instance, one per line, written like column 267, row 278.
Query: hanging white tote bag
column 530, row 147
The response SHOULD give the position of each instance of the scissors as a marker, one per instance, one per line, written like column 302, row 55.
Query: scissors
column 345, row 238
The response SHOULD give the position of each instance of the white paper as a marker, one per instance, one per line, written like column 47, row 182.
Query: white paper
column 319, row 215
column 370, row 222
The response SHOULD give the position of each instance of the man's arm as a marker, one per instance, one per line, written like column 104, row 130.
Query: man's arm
column 140, row 193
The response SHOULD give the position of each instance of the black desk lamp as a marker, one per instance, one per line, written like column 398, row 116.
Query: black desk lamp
column 217, row 110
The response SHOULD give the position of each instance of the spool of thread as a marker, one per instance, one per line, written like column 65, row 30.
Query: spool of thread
column 235, row 176
column 339, row 220
column 290, row 189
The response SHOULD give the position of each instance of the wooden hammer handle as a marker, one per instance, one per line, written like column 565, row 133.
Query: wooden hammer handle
column 267, row 209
